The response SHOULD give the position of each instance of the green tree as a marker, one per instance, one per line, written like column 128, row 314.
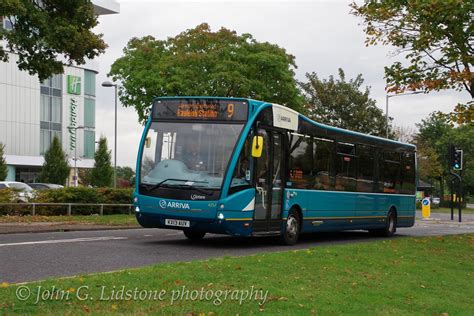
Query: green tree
column 103, row 173
column 3, row 164
column 434, row 36
column 55, row 168
column 127, row 174
column 43, row 30
column 341, row 103
column 201, row 62
column 435, row 134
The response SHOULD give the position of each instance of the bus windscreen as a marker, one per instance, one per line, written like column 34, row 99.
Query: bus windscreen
column 200, row 109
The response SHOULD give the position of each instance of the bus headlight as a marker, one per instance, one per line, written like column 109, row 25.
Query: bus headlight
column 137, row 209
column 135, row 200
column 220, row 216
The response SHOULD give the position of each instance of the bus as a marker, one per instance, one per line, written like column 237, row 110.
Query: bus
column 250, row 168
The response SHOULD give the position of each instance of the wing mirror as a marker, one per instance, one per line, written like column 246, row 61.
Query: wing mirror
column 257, row 146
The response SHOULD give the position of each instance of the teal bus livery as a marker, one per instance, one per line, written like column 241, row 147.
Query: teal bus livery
column 250, row 168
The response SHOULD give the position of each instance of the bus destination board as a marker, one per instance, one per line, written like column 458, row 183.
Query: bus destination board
column 200, row 109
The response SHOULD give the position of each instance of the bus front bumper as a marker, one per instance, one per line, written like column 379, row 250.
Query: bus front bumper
column 236, row 226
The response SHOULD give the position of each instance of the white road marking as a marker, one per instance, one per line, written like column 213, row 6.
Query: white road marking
column 147, row 235
column 60, row 241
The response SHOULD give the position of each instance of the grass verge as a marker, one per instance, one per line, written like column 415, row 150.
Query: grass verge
column 112, row 220
column 429, row 275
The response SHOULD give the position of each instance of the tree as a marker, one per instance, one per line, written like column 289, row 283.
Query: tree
column 405, row 134
column 43, row 30
column 201, row 62
column 435, row 134
column 434, row 36
column 55, row 168
column 102, row 173
column 127, row 174
column 84, row 177
column 341, row 103
column 3, row 164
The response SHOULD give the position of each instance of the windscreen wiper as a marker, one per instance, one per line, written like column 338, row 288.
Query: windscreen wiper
column 190, row 186
column 156, row 186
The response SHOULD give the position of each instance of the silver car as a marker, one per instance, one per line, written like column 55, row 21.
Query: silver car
column 24, row 191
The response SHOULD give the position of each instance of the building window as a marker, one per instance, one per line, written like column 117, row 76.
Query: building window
column 89, row 83
column 89, row 144
column 89, row 112
column 50, row 111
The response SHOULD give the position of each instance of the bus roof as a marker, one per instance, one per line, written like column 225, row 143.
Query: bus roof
column 262, row 104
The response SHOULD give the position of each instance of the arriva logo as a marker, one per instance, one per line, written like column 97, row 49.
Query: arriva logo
column 171, row 204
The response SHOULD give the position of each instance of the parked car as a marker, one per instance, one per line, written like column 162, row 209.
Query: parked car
column 45, row 186
column 435, row 200
column 24, row 191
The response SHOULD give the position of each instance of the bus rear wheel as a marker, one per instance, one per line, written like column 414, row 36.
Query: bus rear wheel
column 292, row 229
column 193, row 234
column 390, row 227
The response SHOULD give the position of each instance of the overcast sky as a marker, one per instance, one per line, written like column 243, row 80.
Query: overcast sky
column 322, row 35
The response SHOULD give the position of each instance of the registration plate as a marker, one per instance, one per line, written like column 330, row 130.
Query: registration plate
column 176, row 222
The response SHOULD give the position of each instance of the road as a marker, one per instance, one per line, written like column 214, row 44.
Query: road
column 30, row 257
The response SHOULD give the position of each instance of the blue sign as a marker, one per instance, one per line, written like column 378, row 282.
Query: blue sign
column 426, row 202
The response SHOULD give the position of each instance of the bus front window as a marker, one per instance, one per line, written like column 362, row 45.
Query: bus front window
column 176, row 154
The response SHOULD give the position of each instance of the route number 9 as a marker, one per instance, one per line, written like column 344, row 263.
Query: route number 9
column 230, row 110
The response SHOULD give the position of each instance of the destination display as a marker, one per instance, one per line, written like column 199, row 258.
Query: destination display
column 200, row 109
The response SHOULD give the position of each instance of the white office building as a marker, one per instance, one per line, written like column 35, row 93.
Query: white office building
column 33, row 112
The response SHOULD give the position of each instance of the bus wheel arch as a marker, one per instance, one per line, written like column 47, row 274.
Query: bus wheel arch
column 390, row 224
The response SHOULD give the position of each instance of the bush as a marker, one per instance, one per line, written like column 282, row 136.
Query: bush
column 83, row 195
column 11, row 196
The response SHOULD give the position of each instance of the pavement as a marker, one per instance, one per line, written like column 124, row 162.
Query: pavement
column 42, row 227
column 26, row 257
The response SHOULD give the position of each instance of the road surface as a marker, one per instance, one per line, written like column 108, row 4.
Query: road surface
column 37, row 256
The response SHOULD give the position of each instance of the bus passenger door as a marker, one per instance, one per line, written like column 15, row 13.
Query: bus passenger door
column 269, row 183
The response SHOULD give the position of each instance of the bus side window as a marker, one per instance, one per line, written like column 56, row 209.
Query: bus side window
column 323, row 149
column 241, row 178
column 346, row 167
column 408, row 175
column 301, row 161
column 390, row 172
column 365, row 177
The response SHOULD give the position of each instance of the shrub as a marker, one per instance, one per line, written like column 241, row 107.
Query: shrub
column 83, row 195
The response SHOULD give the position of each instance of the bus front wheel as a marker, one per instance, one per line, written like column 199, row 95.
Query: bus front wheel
column 193, row 234
column 292, row 229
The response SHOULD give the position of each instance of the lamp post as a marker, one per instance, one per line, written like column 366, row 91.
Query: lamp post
column 387, row 96
column 75, row 151
column 109, row 84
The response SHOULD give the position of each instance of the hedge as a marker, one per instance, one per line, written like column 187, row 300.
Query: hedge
column 71, row 195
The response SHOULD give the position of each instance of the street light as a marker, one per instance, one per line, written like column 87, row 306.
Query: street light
column 386, row 105
column 75, row 151
column 109, row 84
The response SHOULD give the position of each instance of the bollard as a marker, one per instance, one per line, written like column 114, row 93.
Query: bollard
column 425, row 208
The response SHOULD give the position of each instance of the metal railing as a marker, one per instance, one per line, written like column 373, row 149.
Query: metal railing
column 69, row 206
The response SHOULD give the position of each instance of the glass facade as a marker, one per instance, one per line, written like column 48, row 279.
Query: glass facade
column 50, row 111
column 89, row 114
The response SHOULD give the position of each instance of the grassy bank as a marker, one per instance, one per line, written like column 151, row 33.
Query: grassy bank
column 112, row 220
column 402, row 276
